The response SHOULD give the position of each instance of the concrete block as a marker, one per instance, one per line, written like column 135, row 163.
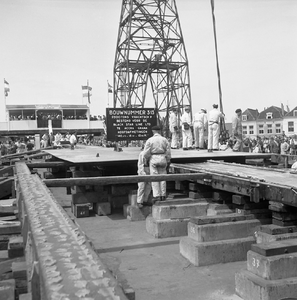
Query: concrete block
column 48, row 175
column 7, row 289
column 81, row 210
column 103, row 208
column 138, row 214
column 87, row 197
column 125, row 210
column 240, row 200
column 19, row 269
column 166, row 228
column 78, row 189
column 27, row 296
column 13, row 228
column 118, row 201
column 272, row 267
column 210, row 253
column 119, row 190
column 177, row 195
column 132, row 197
column 15, row 247
column 199, row 195
column 182, row 185
column 219, row 209
column 160, row 212
column 222, row 197
column 252, row 287
column 222, row 231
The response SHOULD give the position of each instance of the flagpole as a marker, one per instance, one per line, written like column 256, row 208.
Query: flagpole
column 107, row 94
column 5, row 93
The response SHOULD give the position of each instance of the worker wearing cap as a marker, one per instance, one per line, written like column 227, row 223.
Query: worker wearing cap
column 157, row 152
column 173, row 128
column 199, row 124
column 237, row 130
column 186, row 120
column 214, row 128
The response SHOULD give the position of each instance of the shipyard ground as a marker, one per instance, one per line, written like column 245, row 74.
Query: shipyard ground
column 152, row 267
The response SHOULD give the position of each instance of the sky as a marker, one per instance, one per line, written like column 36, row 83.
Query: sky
column 50, row 48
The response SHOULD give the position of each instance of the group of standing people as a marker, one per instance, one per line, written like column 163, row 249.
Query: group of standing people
column 198, row 126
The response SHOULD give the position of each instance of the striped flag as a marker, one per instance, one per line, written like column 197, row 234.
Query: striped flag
column 109, row 87
column 6, row 88
column 87, row 91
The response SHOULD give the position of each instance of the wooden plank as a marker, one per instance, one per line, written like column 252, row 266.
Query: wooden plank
column 220, row 219
column 107, row 180
column 276, row 248
column 275, row 229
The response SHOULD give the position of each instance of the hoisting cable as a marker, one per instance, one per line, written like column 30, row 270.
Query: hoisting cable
column 224, row 133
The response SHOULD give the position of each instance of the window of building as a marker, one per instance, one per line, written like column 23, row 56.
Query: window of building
column 269, row 128
column 269, row 115
column 278, row 128
column 244, row 117
column 251, row 129
column 295, row 113
column 290, row 126
column 244, row 129
column 261, row 131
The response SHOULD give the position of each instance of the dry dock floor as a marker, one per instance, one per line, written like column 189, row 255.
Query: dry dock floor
column 153, row 267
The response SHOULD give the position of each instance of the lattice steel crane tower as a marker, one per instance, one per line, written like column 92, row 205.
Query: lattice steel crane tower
column 151, row 49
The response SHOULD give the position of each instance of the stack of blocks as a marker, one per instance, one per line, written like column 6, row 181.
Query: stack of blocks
column 170, row 218
column 271, row 272
column 218, row 239
column 132, row 212
column 119, row 195
column 260, row 211
column 282, row 214
column 86, row 198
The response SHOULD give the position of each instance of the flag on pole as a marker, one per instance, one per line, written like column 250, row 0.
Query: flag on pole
column 6, row 88
column 109, row 87
column 87, row 91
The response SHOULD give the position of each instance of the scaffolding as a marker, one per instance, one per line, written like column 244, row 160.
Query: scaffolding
column 151, row 51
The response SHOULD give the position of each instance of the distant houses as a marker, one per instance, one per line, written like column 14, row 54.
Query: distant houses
column 269, row 122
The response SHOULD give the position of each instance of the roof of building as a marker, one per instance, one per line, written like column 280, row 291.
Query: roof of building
column 276, row 113
column 291, row 113
column 252, row 114
column 46, row 106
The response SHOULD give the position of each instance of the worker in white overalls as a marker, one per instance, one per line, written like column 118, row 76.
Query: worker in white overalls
column 173, row 128
column 186, row 120
column 199, row 123
column 157, row 151
column 214, row 128
column 144, row 188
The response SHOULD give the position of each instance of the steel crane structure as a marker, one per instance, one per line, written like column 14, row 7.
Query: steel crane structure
column 151, row 51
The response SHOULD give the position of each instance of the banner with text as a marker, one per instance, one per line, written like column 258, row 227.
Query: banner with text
column 128, row 124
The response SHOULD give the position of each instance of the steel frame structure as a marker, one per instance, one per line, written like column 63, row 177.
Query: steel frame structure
column 150, row 48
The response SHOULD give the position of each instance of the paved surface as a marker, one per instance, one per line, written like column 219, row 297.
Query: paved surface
column 153, row 267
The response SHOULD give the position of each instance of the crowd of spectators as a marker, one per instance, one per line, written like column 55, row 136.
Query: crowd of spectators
column 21, row 117
column 55, row 116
